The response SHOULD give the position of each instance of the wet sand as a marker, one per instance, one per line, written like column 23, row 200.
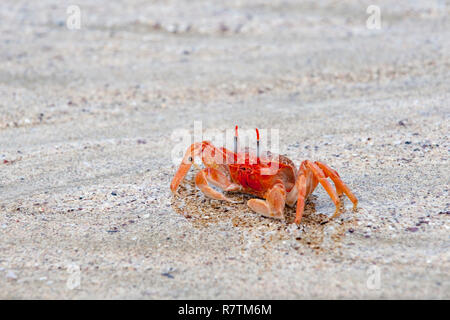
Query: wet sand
column 85, row 148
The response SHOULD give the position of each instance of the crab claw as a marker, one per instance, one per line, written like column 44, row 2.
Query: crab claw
column 194, row 150
column 179, row 176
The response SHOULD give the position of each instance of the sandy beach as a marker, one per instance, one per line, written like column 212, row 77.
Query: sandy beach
column 87, row 115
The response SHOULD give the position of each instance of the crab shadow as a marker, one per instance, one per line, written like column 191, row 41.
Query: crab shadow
column 201, row 212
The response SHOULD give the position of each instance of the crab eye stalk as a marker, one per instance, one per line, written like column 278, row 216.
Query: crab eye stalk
column 235, row 142
column 257, row 145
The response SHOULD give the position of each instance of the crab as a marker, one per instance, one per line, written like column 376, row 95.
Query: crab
column 272, row 178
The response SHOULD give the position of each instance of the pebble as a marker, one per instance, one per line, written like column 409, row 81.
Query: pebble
column 11, row 275
column 168, row 275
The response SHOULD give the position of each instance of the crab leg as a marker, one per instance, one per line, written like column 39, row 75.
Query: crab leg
column 305, row 185
column 291, row 197
column 309, row 176
column 318, row 173
column 341, row 187
column 273, row 206
column 301, row 188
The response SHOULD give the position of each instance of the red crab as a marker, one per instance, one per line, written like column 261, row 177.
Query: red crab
column 271, row 177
